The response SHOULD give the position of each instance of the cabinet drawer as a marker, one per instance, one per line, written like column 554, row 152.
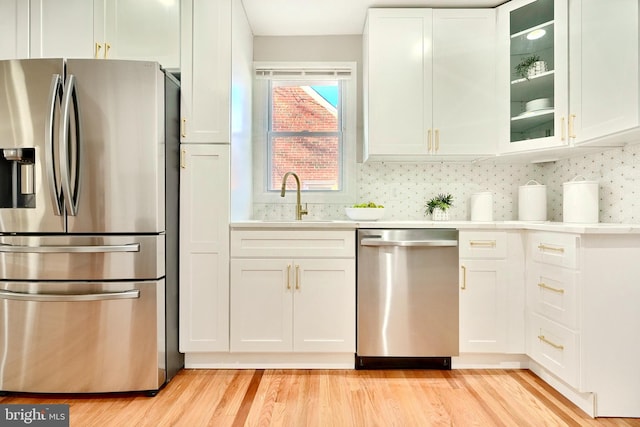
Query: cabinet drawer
column 483, row 244
column 555, row 249
column 293, row 243
column 554, row 347
column 553, row 292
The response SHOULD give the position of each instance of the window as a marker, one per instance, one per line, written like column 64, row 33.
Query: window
column 305, row 123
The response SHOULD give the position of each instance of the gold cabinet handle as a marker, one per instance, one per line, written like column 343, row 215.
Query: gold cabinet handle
column 464, row 277
column 562, row 135
column 297, row 277
column 98, row 47
column 289, row 276
column 550, row 288
column 107, row 46
column 183, row 159
column 183, row 128
column 550, row 248
column 483, row 244
column 429, row 141
column 572, row 118
column 437, row 140
column 551, row 343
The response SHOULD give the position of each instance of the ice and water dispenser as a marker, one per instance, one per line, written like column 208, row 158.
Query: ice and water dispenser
column 17, row 174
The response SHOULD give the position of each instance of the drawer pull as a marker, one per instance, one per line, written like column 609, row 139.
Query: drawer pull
column 483, row 244
column 297, row 277
column 289, row 276
column 464, row 277
column 552, row 344
column 550, row 248
column 550, row 288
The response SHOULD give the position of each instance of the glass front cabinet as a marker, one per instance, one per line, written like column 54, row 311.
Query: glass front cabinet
column 533, row 74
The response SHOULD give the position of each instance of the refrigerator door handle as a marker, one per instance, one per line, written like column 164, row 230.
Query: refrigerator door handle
column 132, row 247
column 70, row 96
column 19, row 296
column 55, row 94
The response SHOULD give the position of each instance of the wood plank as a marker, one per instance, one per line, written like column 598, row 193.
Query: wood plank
column 338, row 398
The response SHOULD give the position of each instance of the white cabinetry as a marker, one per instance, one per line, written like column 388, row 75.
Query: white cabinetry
column 204, row 248
column 604, row 68
column 582, row 294
column 205, row 71
column 293, row 291
column 533, row 105
column 590, row 75
column 14, row 29
column 553, row 333
column 491, row 294
column 429, row 83
column 64, row 28
column 113, row 29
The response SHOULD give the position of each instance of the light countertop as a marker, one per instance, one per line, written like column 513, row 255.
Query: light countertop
column 599, row 228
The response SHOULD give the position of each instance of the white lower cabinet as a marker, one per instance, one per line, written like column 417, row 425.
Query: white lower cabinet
column 300, row 305
column 483, row 306
column 491, row 292
column 582, row 316
column 293, row 291
column 204, row 248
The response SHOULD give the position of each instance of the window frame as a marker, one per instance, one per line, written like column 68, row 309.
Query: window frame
column 305, row 73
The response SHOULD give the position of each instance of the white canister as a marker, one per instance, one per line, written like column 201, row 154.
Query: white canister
column 580, row 201
column 532, row 201
column 482, row 206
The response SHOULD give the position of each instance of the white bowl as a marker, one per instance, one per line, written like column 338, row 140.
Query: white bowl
column 364, row 214
column 538, row 104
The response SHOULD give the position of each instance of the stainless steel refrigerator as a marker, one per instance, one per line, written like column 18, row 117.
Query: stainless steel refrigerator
column 88, row 226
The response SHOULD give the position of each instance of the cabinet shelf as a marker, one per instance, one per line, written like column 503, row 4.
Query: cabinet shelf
column 539, row 86
column 532, row 119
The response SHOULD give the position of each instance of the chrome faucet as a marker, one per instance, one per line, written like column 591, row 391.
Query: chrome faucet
column 299, row 210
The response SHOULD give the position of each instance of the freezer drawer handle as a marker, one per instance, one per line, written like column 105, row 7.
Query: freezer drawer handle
column 132, row 247
column 378, row 242
column 18, row 296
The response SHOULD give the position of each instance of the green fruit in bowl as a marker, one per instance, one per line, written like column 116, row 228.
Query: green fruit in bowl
column 367, row 205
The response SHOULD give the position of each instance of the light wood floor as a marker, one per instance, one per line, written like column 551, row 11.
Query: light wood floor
column 301, row 398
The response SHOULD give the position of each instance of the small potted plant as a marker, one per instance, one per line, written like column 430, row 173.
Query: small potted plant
column 438, row 207
column 529, row 66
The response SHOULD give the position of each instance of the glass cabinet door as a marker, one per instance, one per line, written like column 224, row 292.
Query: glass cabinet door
column 537, row 86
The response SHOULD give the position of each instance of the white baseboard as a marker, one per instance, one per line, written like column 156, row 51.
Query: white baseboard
column 269, row 360
column 489, row 361
column 584, row 401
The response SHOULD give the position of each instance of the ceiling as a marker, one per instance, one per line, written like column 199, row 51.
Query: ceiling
column 330, row 17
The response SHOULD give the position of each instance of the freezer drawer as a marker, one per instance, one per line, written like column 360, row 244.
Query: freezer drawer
column 82, row 337
column 82, row 257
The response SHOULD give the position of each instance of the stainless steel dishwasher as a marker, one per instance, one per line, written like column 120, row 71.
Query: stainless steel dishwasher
column 407, row 298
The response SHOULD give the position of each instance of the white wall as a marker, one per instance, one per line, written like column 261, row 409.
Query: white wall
column 241, row 108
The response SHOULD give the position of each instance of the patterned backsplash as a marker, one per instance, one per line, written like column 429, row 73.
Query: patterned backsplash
column 404, row 188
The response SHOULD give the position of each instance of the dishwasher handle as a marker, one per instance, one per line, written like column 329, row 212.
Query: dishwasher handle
column 405, row 243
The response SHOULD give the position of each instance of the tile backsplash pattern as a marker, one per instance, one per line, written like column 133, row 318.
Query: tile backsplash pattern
column 618, row 174
column 404, row 188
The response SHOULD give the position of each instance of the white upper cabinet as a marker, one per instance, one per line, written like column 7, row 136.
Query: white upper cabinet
column 113, row 29
column 603, row 72
column 533, row 74
column 205, row 71
column 464, row 82
column 429, row 83
column 142, row 30
column 63, row 28
column 583, row 86
column 14, row 29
